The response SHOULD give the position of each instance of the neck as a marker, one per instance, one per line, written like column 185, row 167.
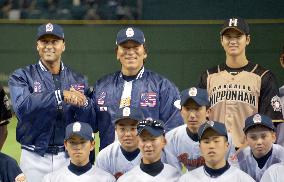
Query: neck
column 131, row 72
column 193, row 130
column 53, row 67
column 80, row 163
column 150, row 161
column 236, row 61
column 216, row 165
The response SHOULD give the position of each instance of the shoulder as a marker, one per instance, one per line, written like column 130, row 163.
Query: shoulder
column 101, row 173
column 176, row 132
column 7, row 160
column 278, row 150
column 259, row 70
column 75, row 74
column 194, row 174
column 109, row 150
column 108, row 78
column 27, row 70
column 134, row 172
column 234, row 171
column 157, row 78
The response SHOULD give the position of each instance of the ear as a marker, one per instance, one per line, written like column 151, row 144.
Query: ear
column 247, row 39
column 37, row 48
column 65, row 144
column 63, row 49
column 208, row 111
column 145, row 55
column 282, row 60
column 273, row 137
column 92, row 145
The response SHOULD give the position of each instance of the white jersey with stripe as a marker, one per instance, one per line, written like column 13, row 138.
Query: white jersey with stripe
column 92, row 175
column 186, row 152
column 112, row 160
column 249, row 165
column 168, row 174
column 274, row 173
column 233, row 174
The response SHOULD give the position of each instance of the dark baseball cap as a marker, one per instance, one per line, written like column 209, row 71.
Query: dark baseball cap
column 238, row 24
column 258, row 119
column 50, row 29
column 215, row 125
column 200, row 96
column 128, row 113
column 81, row 129
column 154, row 127
column 130, row 33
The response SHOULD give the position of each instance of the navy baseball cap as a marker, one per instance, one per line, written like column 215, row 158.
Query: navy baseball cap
column 50, row 29
column 200, row 96
column 154, row 127
column 127, row 112
column 215, row 125
column 238, row 24
column 84, row 130
column 258, row 119
column 130, row 33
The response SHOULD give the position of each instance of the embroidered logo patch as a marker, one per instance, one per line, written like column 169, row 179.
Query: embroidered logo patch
column 101, row 98
column 37, row 86
column 148, row 99
column 276, row 103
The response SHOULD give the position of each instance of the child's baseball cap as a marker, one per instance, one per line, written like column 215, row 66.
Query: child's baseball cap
column 258, row 119
column 200, row 96
column 154, row 127
column 81, row 129
column 215, row 125
column 127, row 112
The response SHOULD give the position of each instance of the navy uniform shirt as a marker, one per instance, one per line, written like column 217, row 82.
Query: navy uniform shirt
column 9, row 168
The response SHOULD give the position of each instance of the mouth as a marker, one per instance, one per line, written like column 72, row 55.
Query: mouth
column 211, row 153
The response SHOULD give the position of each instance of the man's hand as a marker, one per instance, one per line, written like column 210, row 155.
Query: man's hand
column 74, row 97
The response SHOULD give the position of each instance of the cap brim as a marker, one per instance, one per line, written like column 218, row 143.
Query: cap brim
column 258, row 124
column 198, row 101
column 224, row 29
column 80, row 135
column 154, row 132
column 126, row 117
column 210, row 127
column 127, row 39
column 56, row 35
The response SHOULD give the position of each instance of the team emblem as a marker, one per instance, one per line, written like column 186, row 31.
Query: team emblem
column 177, row 104
column 76, row 127
column 129, row 32
column 37, row 86
column 233, row 22
column 101, row 98
column 49, row 27
column 192, row 92
column 79, row 87
column 276, row 103
column 257, row 118
column 148, row 99
column 126, row 111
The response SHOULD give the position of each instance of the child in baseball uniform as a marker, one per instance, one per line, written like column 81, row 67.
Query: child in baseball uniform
column 213, row 139
column 151, row 143
column 182, row 142
column 274, row 173
column 261, row 152
column 79, row 142
column 124, row 154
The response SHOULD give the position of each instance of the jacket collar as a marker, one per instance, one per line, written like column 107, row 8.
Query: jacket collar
column 43, row 68
column 139, row 75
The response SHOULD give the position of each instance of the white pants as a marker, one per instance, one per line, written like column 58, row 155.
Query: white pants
column 35, row 166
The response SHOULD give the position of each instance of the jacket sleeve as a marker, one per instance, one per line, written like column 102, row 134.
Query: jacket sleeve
column 269, row 101
column 28, row 104
column 170, row 105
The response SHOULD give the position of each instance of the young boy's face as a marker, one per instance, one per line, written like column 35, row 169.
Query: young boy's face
column 213, row 148
column 151, row 147
column 126, row 130
column 79, row 149
column 260, row 140
column 193, row 115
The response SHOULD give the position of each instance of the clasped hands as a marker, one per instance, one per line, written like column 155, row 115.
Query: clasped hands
column 74, row 97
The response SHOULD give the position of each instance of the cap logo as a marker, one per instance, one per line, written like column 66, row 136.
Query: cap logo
column 49, row 27
column 257, row 118
column 126, row 111
column 211, row 123
column 233, row 22
column 129, row 32
column 192, row 92
column 76, row 127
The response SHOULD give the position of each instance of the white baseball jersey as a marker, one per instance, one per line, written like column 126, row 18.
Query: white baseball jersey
column 186, row 152
column 274, row 173
column 233, row 174
column 168, row 174
column 92, row 175
column 112, row 160
column 249, row 165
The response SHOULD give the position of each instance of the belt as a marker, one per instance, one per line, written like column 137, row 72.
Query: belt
column 55, row 149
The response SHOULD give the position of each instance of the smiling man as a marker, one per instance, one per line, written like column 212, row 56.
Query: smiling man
column 239, row 88
column 46, row 97
column 134, row 86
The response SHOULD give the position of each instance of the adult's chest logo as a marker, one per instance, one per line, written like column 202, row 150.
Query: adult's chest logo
column 79, row 87
column 101, row 98
column 148, row 99
column 37, row 86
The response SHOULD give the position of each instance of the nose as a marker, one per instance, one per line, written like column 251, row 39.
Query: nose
column 259, row 141
column 192, row 114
